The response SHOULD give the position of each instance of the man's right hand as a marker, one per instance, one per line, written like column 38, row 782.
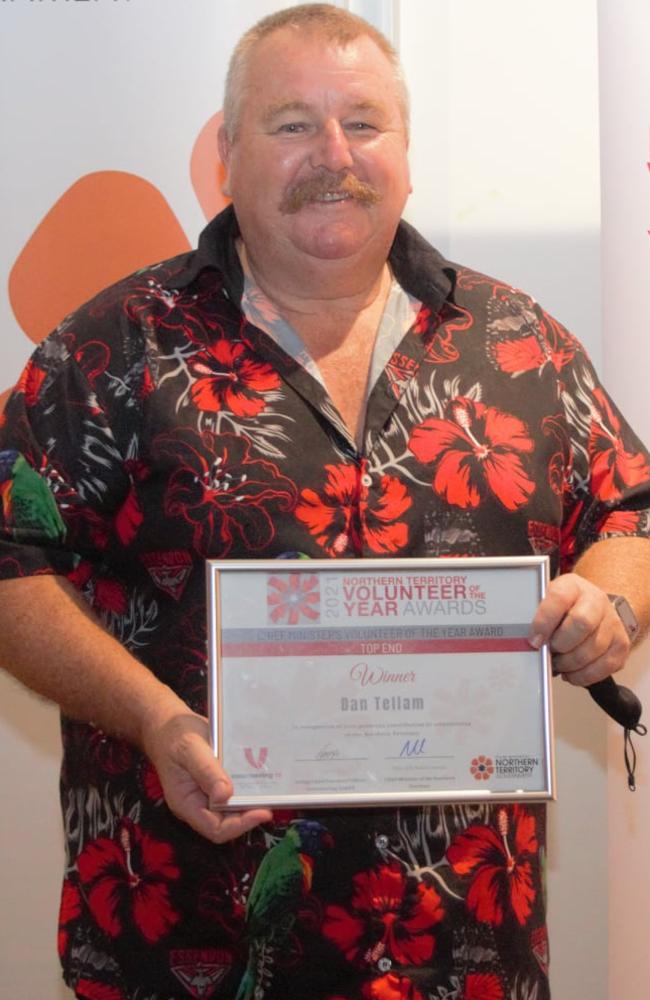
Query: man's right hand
column 194, row 784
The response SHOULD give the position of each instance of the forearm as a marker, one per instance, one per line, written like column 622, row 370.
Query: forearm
column 51, row 641
column 621, row 566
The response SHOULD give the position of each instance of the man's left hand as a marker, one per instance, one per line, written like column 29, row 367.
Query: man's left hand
column 586, row 637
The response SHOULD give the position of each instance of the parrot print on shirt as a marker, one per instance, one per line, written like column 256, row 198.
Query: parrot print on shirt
column 282, row 879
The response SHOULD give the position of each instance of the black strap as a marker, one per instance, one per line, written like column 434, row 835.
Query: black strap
column 624, row 707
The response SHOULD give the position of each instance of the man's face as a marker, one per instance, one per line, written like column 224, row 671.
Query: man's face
column 318, row 164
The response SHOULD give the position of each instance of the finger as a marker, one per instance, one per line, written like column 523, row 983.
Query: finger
column 597, row 669
column 606, row 641
column 236, row 824
column 600, row 656
column 552, row 609
column 571, row 613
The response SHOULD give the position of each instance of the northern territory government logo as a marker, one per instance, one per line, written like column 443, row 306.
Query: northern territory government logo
column 481, row 768
column 293, row 599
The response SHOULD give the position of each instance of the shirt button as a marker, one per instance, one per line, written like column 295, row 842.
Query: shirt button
column 366, row 480
column 384, row 964
column 381, row 842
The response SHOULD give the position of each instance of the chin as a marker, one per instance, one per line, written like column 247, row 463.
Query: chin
column 332, row 242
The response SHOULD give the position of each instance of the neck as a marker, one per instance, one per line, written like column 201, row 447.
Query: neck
column 341, row 287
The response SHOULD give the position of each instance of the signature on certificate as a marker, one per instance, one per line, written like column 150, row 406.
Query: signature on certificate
column 328, row 752
column 413, row 748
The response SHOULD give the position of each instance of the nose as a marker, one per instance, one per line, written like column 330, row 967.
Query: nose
column 331, row 147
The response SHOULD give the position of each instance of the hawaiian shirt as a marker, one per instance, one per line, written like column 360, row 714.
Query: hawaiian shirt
column 158, row 427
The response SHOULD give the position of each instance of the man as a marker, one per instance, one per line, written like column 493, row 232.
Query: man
column 314, row 379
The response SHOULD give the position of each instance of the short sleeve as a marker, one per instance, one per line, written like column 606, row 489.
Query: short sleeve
column 606, row 468
column 63, row 472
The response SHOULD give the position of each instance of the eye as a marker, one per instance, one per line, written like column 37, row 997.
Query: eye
column 292, row 128
column 360, row 127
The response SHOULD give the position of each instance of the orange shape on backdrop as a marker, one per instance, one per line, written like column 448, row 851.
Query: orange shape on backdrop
column 105, row 226
column 206, row 169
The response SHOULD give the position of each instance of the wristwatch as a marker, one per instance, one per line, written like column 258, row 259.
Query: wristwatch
column 626, row 614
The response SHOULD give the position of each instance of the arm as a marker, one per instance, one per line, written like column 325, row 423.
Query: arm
column 52, row 643
column 586, row 636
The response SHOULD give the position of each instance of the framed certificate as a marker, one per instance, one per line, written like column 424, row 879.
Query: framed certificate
column 375, row 682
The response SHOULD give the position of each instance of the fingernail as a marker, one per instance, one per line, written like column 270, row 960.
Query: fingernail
column 536, row 641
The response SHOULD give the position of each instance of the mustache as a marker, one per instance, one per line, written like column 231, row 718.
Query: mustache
column 314, row 188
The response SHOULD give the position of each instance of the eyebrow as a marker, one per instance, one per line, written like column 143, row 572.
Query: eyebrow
column 282, row 107
column 279, row 108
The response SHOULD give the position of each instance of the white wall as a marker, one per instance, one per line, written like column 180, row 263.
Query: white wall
column 625, row 125
column 505, row 167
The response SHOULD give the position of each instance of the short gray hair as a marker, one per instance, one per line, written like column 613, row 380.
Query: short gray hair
column 323, row 19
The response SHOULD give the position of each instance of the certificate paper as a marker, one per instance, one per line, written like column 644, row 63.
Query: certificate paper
column 371, row 682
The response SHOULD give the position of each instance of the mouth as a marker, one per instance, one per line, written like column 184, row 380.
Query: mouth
column 330, row 196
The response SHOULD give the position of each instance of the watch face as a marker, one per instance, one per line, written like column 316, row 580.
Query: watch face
column 625, row 613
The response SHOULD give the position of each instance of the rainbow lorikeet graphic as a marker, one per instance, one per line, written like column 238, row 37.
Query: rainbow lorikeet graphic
column 282, row 879
column 27, row 503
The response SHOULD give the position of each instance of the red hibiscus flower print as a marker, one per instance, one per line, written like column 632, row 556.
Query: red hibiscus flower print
column 620, row 522
column 499, row 862
column 126, row 882
column 228, row 377
column 222, row 493
column 478, row 451
column 341, row 517
column 483, row 986
column 613, row 468
column 293, row 596
column 388, row 916
column 89, row 990
column 391, row 987
column 69, row 910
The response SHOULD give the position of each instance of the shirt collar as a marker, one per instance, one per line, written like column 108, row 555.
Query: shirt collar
column 418, row 267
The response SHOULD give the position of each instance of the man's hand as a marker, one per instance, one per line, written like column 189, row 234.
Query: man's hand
column 193, row 781
column 585, row 634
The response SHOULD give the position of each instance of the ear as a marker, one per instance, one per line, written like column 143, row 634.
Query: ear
column 225, row 148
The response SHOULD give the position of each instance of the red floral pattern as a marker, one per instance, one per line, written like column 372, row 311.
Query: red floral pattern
column 87, row 989
column 480, row 450
column 500, row 863
column 223, row 493
column 389, row 916
column 483, row 986
column 228, row 377
column 391, row 987
column 342, row 516
column 613, row 467
column 68, row 912
column 486, row 433
column 127, row 880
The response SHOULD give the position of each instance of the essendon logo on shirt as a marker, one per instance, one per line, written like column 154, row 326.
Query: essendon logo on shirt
column 200, row 970
column 169, row 570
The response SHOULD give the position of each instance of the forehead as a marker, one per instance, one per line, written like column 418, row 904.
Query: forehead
column 291, row 66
